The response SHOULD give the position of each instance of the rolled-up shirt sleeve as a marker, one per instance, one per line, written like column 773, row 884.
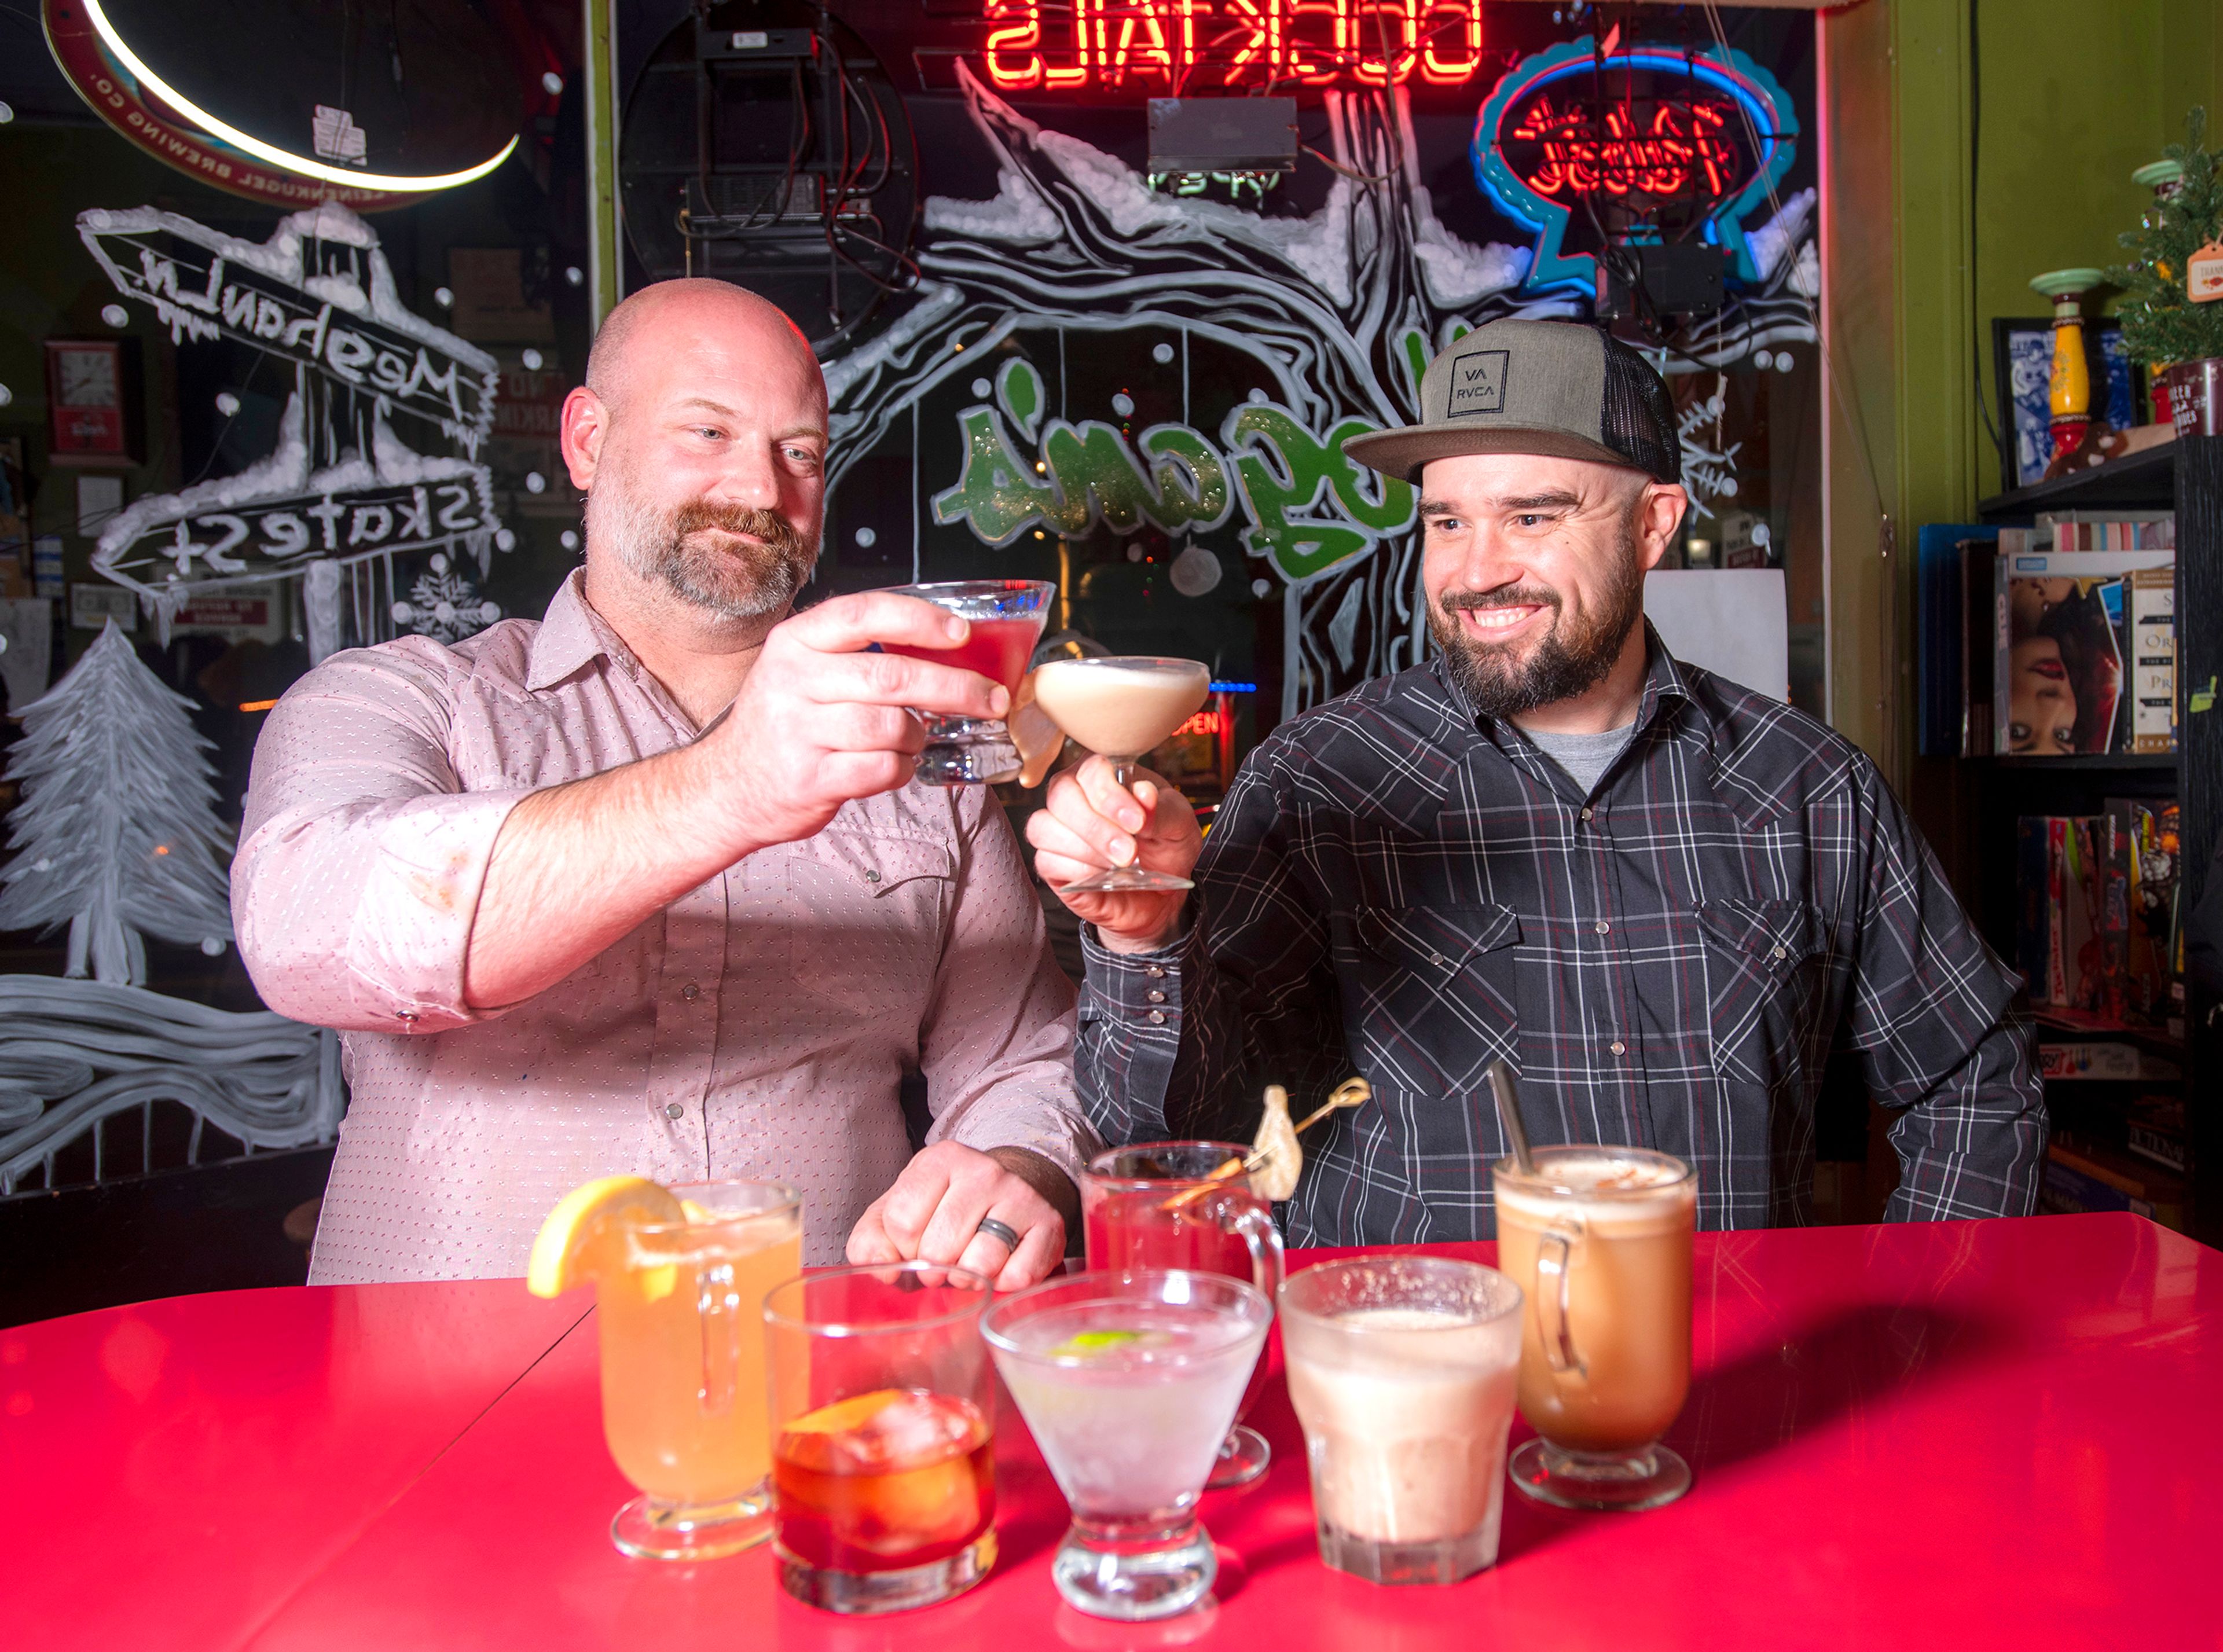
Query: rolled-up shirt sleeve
column 361, row 857
column 995, row 1043
column 1941, row 1040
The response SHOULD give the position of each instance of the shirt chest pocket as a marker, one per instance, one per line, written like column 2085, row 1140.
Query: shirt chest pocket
column 863, row 917
column 1767, row 973
column 1429, row 993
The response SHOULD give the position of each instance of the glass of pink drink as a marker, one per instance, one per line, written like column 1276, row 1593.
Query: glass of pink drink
column 1007, row 617
column 1160, row 1205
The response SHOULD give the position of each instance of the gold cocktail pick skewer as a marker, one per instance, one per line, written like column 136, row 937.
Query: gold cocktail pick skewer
column 1352, row 1092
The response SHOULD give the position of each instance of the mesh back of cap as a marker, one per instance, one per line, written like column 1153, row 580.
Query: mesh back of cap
column 1639, row 419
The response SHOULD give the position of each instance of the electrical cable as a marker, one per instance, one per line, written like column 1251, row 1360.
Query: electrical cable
column 1351, row 172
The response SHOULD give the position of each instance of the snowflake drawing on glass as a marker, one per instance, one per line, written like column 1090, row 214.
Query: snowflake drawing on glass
column 444, row 606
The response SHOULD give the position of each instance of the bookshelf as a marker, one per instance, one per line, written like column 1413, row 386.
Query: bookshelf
column 1979, row 799
column 2134, row 482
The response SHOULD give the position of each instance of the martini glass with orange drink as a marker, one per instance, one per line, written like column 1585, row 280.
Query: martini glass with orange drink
column 680, row 1277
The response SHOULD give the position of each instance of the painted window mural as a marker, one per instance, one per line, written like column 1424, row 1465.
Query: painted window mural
column 1100, row 286
column 1056, row 355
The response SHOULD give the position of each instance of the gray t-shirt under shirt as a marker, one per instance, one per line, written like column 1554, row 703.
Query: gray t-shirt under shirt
column 1584, row 756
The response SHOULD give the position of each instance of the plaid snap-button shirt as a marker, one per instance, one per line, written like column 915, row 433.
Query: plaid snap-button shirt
column 1399, row 887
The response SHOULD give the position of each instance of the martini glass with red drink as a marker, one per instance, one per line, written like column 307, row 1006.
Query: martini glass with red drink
column 1007, row 617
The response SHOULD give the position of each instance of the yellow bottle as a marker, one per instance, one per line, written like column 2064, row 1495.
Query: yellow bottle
column 2070, row 392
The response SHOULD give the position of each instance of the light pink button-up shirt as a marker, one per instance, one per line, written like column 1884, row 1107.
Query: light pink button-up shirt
column 758, row 1025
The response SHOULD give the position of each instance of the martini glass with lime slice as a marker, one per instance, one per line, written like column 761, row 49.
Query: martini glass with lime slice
column 1129, row 1383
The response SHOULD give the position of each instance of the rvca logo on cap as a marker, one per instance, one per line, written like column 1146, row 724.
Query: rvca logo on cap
column 1477, row 384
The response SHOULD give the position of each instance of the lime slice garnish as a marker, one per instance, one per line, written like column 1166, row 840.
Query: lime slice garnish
column 1083, row 1344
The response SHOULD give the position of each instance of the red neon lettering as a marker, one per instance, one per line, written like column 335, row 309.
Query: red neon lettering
column 1078, row 74
column 1023, row 35
column 1719, row 158
column 1439, row 71
column 1190, row 10
column 1307, row 42
column 1302, row 67
column 1682, row 146
column 1155, row 54
column 1369, row 30
column 1263, row 37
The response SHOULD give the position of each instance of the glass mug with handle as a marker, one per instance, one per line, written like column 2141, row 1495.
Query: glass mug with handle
column 679, row 1309
column 1599, row 1238
column 1156, row 1205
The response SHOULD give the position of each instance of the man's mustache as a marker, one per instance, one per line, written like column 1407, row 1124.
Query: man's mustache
column 1517, row 596
column 772, row 528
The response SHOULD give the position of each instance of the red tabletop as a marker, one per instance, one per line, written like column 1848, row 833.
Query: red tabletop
column 1967, row 1434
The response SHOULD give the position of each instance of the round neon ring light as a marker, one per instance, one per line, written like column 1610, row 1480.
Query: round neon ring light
column 270, row 152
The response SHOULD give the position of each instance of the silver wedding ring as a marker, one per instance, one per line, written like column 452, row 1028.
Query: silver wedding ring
column 1002, row 1230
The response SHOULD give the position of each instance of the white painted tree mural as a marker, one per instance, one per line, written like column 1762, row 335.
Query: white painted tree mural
column 117, row 835
column 118, row 838
column 1342, row 309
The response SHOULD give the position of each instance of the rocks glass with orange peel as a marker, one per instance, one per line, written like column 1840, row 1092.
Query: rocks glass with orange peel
column 884, row 1413
column 680, row 1277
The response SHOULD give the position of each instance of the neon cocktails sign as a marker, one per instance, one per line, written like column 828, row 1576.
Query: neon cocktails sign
column 1199, row 46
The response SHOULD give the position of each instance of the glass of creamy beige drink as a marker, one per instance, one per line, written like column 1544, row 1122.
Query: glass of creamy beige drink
column 1401, row 1370
column 1121, row 707
column 1600, row 1239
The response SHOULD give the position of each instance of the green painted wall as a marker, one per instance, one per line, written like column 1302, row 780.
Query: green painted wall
column 1972, row 144
column 2071, row 98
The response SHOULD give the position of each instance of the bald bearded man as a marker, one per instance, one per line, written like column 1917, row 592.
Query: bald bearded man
column 646, row 886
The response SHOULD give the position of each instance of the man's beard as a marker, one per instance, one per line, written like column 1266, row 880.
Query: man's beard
column 744, row 579
column 1565, row 663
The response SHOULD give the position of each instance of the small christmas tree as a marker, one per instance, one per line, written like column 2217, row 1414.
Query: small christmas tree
column 118, row 833
column 2160, row 324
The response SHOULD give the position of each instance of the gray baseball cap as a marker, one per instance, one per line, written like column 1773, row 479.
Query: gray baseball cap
column 1559, row 388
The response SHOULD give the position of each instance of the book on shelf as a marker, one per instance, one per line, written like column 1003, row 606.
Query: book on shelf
column 2028, row 650
column 2104, row 529
column 2108, row 1060
column 2082, row 1176
column 2153, row 964
column 2095, row 911
column 2061, row 636
column 2154, row 1130
column 1979, row 557
column 2152, row 634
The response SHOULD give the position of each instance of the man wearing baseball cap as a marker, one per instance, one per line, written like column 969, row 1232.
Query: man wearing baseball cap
column 1668, row 902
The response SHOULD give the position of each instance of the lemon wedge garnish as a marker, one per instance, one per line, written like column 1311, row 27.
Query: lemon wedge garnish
column 560, row 1251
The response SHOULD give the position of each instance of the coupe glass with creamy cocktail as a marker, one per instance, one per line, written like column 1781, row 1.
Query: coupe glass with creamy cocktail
column 1120, row 708
column 1401, row 1370
column 1600, row 1238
